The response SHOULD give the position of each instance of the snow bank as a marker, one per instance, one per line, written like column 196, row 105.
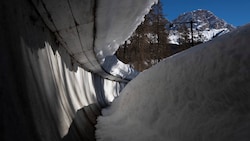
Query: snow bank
column 117, row 68
column 199, row 94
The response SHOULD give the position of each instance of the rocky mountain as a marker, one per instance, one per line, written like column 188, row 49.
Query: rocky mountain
column 205, row 26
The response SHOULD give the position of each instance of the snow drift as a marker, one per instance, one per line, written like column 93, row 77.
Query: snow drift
column 199, row 94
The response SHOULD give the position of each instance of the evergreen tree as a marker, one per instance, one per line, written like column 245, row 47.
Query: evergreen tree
column 149, row 43
column 184, row 40
column 159, row 23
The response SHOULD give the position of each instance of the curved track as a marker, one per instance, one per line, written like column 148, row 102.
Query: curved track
column 52, row 84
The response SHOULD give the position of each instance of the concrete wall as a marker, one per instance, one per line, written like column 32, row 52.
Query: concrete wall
column 44, row 96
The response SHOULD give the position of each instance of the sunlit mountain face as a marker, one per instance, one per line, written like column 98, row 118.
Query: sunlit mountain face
column 205, row 26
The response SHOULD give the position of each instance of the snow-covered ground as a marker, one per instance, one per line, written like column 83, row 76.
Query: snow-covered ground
column 200, row 94
column 206, row 35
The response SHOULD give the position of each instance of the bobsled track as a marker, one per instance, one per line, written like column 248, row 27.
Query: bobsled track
column 56, row 72
column 54, row 75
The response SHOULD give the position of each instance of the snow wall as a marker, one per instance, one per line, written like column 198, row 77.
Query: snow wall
column 46, row 95
column 200, row 94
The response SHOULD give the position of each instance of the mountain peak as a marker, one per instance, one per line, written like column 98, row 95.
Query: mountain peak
column 203, row 20
column 205, row 25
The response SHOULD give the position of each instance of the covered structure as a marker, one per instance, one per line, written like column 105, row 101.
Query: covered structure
column 55, row 75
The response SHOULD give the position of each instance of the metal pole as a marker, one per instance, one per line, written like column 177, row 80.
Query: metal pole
column 192, row 34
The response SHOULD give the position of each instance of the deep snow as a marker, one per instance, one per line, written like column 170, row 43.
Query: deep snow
column 200, row 94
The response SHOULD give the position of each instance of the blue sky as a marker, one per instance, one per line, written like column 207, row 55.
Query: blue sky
column 235, row 12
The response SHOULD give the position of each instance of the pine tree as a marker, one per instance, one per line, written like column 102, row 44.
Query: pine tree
column 159, row 30
column 184, row 32
column 149, row 43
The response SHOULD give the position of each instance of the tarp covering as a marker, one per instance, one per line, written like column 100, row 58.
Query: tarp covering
column 52, row 84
